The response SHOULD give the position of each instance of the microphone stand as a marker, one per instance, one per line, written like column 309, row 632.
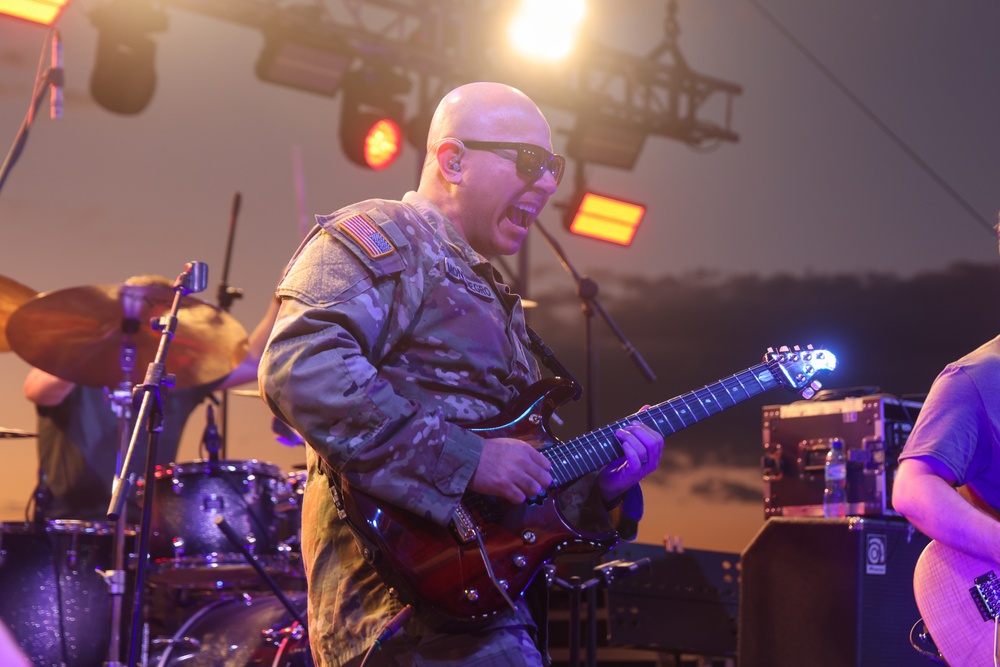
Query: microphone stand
column 586, row 290
column 150, row 417
column 225, row 297
column 53, row 76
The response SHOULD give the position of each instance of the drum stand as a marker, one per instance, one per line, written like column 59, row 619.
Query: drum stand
column 121, row 404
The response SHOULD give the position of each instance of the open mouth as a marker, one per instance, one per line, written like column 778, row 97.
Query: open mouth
column 522, row 216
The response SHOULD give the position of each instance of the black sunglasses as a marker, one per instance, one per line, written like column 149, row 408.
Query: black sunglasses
column 532, row 160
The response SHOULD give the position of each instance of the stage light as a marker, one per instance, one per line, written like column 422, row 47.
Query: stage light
column 607, row 141
column 606, row 219
column 124, row 76
column 546, row 29
column 371, row 119
column 383, row 142
column 37, row 11
column 315, row 67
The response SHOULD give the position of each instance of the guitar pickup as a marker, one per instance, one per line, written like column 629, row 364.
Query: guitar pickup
column 463, row 526
column 986, row 595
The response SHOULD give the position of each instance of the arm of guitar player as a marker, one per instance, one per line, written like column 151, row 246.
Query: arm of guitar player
column 316, row 377
column 924, row 493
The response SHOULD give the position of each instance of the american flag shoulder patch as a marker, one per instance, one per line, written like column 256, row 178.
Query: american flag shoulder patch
column 368, row 236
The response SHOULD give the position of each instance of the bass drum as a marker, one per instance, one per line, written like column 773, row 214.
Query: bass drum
column 241, row 632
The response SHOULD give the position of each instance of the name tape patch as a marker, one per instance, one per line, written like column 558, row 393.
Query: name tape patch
column 480, row 289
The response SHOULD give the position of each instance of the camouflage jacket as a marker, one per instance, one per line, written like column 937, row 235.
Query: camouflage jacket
column 392, row 333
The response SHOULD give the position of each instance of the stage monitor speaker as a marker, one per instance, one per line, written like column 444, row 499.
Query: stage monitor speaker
column 829, row 593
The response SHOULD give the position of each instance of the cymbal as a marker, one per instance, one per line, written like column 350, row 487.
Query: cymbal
column 78, row 334
column 15, row 433
column 12, row 295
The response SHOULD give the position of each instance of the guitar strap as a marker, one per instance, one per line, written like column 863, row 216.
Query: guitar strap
column 549, row 360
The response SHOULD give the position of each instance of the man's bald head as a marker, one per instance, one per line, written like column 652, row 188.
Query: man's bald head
column 483, row 190
column 484, row 111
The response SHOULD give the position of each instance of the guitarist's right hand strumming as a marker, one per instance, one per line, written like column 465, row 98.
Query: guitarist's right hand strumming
column 511, row 469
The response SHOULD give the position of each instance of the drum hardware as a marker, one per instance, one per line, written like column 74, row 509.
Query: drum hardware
column 225, row 295
column 235, row 540
column 210, row 438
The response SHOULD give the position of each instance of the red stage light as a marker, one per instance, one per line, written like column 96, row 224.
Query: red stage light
column 383, row 142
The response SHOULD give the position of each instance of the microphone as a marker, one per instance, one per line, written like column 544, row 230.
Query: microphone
column 210, row 438
column 56, row 78
column 194, row 278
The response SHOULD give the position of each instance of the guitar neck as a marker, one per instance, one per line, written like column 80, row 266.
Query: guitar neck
column 575, row 458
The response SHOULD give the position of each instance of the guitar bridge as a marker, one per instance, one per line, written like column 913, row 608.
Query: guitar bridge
column 986, row 595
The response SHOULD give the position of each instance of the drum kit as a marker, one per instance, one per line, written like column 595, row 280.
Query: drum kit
column 225, row 583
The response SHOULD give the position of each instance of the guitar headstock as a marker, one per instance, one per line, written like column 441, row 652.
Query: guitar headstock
column 796, row 368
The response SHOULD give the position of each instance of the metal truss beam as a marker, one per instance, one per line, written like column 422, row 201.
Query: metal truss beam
column 442, row 43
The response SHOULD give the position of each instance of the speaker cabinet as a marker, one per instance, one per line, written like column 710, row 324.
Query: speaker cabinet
column 829, row 593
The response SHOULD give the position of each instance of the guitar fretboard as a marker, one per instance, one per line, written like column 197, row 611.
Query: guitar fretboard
column 584, row 454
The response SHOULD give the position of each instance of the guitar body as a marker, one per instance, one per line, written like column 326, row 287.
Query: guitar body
column 941, row 582
column 433, row 564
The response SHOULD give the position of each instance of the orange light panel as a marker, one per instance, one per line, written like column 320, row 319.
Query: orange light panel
column 36, row 11
column 382, row 144
column 607, row 219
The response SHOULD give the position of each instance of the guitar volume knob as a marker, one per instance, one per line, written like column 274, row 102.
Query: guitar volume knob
column 529, row 537
column 471, row 594
column 520, row 561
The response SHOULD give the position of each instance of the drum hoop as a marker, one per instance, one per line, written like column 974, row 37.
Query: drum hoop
column 254, row 466
column 67, row 526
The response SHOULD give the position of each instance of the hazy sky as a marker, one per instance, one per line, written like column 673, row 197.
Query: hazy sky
column 813, row 185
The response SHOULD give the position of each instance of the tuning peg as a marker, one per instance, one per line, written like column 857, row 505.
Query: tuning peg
column 811, row 390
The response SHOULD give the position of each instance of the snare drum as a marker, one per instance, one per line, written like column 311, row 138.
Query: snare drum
column 56, row 604
column 242, row 632
column 186, row 546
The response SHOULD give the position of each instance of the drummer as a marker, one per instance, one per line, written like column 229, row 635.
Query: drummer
column 78, row 431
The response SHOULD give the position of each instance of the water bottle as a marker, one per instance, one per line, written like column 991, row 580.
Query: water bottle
column 835, row 481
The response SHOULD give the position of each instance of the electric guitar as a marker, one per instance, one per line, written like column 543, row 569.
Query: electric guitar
column 959, row 599
column 491, row 551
